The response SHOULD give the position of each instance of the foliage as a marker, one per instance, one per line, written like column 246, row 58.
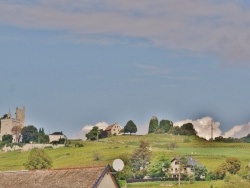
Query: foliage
column 126, row 173
column 95, row 133
column 220, row 171
column 30, row 134
column 232, row 181
column 245, row 172
column 42, row 137
column 185, row 129
column 141, row 156
column 130, row 127
column 158, row 167
column 7, row 138
column 153, row 125
column 38, row 159
column 166, row 125
column 233, row 165
column 200, row 172
column 189, row 128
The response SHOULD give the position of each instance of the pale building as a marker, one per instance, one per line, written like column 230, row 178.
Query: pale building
column 188, row 169
column 56, row 136
column 13, row 126
column 113, row 129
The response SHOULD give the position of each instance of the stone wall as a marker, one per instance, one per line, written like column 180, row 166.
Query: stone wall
column 27, row 147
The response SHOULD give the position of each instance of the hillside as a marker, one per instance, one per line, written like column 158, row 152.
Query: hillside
column 210, row 154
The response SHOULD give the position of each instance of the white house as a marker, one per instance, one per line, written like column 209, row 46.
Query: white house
column 56, row 136
column 188, row 169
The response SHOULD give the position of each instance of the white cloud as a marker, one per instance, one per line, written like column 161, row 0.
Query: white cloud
column 196, row 26
column 85, row 129
column 238, row 131
column 203, row 127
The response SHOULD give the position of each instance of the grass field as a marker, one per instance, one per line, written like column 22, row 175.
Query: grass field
column 210, row 154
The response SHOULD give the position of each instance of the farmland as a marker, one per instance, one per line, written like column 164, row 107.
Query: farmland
column 208, row 153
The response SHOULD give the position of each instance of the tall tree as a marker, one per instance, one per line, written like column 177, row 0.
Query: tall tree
column 42, row 137
column 153, row 124
column 130, row 127
column 165, row 125
column 30, row 134
column 141, row 156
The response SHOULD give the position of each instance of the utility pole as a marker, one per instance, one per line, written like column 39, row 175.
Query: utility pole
column 212, row 129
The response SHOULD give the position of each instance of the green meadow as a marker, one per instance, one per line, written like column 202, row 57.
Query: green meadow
column 208, row 153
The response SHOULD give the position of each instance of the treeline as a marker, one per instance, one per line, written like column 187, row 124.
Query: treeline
column 166, row 126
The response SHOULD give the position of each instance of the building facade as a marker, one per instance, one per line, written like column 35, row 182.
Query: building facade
column 56, row 136
column 13, row 126
column 113, row 129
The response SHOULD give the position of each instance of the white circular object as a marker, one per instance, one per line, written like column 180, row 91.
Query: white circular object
column 118, row 165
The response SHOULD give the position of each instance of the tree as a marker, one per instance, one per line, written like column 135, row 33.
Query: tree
column 165, row 125
column 200, row 172
column 130, row 127
column 153, row 124
column 30, row 134
column 42, row 137
column 189, row 128
column 158, row 167
column 7, row 138
column 141, row 156
column 95, row 133
column 38, row 159
column 233, row 165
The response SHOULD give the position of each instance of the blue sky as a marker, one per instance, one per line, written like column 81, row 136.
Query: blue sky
column 77, row 63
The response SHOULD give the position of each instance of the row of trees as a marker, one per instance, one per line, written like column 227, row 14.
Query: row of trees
column 27, row 134
column 166, row 126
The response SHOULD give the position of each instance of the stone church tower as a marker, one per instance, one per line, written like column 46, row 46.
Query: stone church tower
column 7, row 124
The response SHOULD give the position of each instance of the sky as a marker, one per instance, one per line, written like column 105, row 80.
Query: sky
column 76, row 64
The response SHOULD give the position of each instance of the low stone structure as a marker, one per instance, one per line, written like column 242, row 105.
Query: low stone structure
column 27, row 147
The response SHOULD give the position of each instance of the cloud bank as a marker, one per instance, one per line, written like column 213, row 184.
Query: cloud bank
column 203, row 127
column 210, row 27
column 238, row 131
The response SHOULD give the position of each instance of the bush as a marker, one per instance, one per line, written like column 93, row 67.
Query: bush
column 38, row 159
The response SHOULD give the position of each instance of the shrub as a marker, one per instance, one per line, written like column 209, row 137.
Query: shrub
column 38, row 159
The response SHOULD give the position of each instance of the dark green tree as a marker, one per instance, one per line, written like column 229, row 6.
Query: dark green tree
column 189, row 129
column 130, row 127
column 42, row 137
column 7, row 138
column 38, row 159
column 30, row 134
column 95, row 133
column 165, row 125
column 153, row 124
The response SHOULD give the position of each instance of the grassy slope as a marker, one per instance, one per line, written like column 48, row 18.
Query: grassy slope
column 208, row 153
